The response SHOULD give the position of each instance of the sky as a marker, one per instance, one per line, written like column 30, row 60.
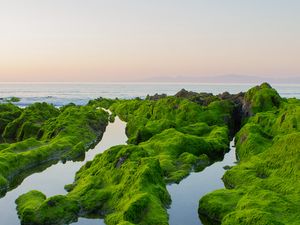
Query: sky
column 128, row 40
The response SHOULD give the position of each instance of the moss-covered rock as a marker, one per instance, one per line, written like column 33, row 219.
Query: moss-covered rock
column 264, row 187
column 43, row 135
column 8, row 113
column 29, row 122
column 170, row 126
column 261, row 98
column 55, row 210
column 168, row 138
column 146, row 118
column 121, row 183
column 180, row 153
column 216, row 206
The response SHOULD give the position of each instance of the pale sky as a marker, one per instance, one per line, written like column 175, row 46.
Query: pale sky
column 111, row 40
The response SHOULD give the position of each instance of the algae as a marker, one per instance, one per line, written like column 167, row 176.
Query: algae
column 41, row 135
column 170, row 136
column 121, row 182
column 167, row 139
column 264, row 187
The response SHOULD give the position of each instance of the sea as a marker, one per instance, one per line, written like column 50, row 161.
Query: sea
column 60, row 94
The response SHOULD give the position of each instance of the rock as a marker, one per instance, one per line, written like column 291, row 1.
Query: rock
column 226, row 167
column 121, row 161
column 156, row 97
column 199, row 98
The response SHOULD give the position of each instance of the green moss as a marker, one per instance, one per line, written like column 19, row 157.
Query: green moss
column 121, row 183
column 44, row 134
column 215, row 206
column 179, row 153
column 198, row 129
column 8, row 113
column 267, row 177
column 3, row 185
column 59, row 209
column 22, row 146
column 171, row 126
column 251, row 140
column 12, row 99
column 262, row 98
column 29, row 122
column 168, row 139
column 29, row 202
column 146, row 118
column 101, row 102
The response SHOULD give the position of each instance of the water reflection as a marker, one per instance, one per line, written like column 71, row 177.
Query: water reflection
column 51, row 181
column 186, row 195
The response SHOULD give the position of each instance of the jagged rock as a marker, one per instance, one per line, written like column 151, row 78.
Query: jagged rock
column 201, row 98
column 156, row 97
column 185, row 94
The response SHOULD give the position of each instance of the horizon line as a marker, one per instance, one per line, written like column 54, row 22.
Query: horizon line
column 143, row 82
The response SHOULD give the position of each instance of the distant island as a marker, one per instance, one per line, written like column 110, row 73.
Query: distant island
column 232, row 78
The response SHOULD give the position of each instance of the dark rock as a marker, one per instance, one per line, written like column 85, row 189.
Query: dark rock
column 226, row 167
column 156, row 97
column 239, row 112
column 51, row 203
column 199, row 98
column 185, row 94
column 121, row 161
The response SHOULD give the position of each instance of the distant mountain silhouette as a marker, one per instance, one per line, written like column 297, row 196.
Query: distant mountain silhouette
column 224, row 79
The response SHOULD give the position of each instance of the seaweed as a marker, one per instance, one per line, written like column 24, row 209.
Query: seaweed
column 264, row 187
column 42, row 134
column 167, row 139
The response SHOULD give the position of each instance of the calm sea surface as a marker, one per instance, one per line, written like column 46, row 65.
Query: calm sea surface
column 80, row 93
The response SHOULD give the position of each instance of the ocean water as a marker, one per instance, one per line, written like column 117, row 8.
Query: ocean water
column 80, row 93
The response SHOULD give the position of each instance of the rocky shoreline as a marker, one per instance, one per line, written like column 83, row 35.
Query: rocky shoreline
column 168, row 137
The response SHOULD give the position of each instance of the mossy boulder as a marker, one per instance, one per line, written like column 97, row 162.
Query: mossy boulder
column 180, row 153
column 145, row 118
column 260, row 99
column 122, row 183
column 29, row 122
column 264, row 187
column 8, row 113
column 42, row 134
column 55, row 210
column 168, row 138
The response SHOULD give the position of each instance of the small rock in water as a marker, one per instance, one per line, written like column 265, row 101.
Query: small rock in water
column 226, row 167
